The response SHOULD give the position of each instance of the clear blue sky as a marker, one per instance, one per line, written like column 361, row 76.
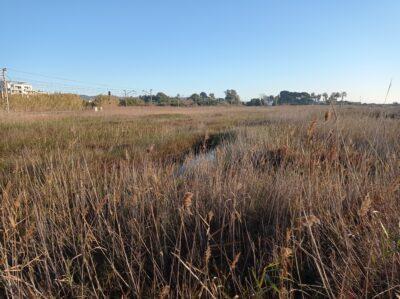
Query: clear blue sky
column 253, row 46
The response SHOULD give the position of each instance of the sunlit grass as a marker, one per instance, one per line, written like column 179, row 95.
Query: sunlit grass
column 289, row 203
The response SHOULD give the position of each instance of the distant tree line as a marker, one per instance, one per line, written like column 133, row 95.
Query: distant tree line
column 231, row 98
column 196, row 99
column 297, row 98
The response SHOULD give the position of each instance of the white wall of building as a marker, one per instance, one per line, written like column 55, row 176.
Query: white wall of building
column 17, row 87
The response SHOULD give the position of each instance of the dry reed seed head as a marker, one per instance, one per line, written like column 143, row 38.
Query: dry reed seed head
column 236, row 216
column 187, row 200
column 12, row 221
column 333, row 154
column 327, row 115
column 29, row 233
column 101, row 204
column 396, row 185
column 310, row 220
column 311, row 129
column 365, row 206
column 150, row 149
column 210, row 215
column 155, row 179
column 283, row 292
column 17, row 202
column 134, row 198
column 127, row 156
column 286, row 252
column 165, row 292
column 235, row 261
column 7, row 189
column 206, row 138
column 288, row 235
column 207, row 255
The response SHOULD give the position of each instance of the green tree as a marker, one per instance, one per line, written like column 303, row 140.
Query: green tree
column 254, row 102
column 232, row 97
column 343, row 94
column 204, row 98
column 203, row 95
column 161, row 99
column 295, row 98
column 325, row 97
column 195, row 98
column 334, row 96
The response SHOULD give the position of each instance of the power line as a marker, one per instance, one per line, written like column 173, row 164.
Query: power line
column 82, row 86
column 67, row 79
column 58, row 87
column 61, row 85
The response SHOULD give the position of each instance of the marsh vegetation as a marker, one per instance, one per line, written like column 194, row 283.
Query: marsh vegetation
column 295, row 201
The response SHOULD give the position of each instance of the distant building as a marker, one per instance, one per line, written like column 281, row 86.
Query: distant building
column 14, row 87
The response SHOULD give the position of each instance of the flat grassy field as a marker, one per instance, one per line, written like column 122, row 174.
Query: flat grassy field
column 207, row 202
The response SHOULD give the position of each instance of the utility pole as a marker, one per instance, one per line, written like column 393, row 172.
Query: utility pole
column 149, row 93
column 5, row 89
column 151, row 96
column 128, row 93
column 2, row 89
column 126, row 101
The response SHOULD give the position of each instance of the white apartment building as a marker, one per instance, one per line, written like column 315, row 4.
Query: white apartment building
column 14, row 87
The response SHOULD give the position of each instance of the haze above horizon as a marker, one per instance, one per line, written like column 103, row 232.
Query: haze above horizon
column 184, row 47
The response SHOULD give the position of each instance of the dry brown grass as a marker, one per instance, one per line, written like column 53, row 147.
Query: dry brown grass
column 290, row 203
column 111, row 111
column 45, row 102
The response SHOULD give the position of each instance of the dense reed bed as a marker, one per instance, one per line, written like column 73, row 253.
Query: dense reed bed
column 45, row 102
column 275, row 202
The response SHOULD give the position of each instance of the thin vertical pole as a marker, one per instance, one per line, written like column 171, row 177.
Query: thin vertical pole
column 5, row 89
